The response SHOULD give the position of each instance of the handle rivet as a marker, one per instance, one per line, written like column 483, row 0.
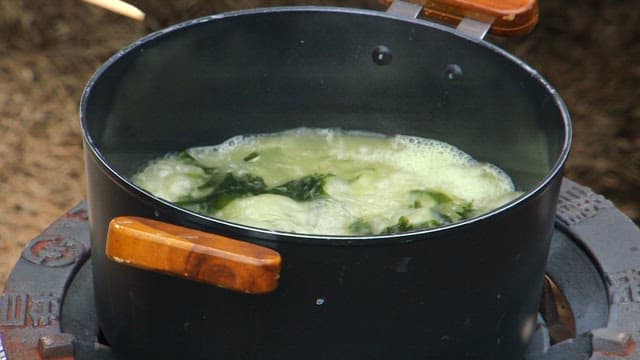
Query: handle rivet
column 453, row 72
column 382, row 55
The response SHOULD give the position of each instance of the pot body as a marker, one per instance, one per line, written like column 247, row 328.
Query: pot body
column 469, row 290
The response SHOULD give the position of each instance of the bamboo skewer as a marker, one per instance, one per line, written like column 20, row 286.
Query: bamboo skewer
column 119, row 7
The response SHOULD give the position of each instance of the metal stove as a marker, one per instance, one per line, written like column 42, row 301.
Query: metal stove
column 590, row 307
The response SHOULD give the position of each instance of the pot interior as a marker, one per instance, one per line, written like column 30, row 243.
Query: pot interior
column 202, row 82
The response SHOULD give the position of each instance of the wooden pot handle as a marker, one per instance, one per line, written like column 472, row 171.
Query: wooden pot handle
column 192, row 254
column 507, row 17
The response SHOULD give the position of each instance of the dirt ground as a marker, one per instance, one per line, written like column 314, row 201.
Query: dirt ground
column 589, row 49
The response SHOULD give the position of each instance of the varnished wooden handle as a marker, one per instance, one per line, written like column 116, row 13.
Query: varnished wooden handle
column 508, row 17
column 193, row 254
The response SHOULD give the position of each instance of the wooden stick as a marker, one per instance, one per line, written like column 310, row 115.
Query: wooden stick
column 119, row 7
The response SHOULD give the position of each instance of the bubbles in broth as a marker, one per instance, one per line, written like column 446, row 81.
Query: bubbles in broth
column 329, row 182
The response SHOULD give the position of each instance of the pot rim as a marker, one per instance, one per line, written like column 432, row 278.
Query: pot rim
column 164, row 207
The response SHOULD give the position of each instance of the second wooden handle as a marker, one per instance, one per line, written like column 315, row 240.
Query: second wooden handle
column 508, row 17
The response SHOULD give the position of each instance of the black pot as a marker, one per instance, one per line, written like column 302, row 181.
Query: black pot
column 466, row 290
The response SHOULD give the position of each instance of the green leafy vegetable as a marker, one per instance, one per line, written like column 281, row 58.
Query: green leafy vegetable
column 254, row 155
column 234, row 186
column 361, row 227
column 436, row 195
column 231, row 187
column 307, row 188
column 244, row 184
column 465, row 210
column 185, row 156
column 402, row 225
column 454, row 211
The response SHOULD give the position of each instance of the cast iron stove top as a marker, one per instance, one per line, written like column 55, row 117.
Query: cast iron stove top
column 590, row 307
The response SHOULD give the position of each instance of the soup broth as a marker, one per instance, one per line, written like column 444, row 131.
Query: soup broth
column 329, row 182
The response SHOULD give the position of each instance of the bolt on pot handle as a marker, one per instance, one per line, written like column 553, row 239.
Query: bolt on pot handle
column 507, row 17
column 192, row 254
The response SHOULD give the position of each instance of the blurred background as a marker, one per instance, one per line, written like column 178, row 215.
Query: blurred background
column 588, row 49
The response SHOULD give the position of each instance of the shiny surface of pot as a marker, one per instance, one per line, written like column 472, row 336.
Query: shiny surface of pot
column 466, row 290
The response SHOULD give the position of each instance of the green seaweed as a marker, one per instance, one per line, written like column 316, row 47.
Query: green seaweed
column 252, row 156
column 361, row 227
column 234, row 186
column 231, row 187
column 306, row 188
column 403, row 225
